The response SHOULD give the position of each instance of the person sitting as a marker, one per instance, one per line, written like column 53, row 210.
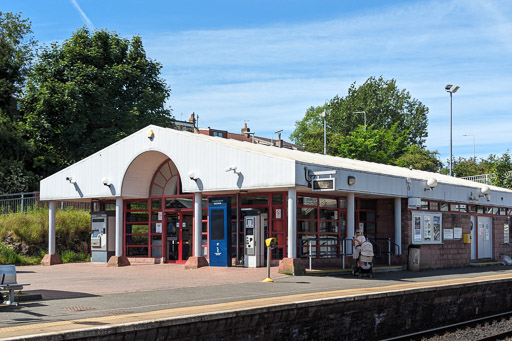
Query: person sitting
column 357, row 241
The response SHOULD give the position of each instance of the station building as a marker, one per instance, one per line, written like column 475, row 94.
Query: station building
column 156, row 187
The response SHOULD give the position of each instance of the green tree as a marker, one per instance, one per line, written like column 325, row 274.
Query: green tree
column 463, row 167
column 502, row 171
column 89, row 92
column 420, row 158
column 16, row 52
column 380, row 100
column 309, row 133
column 375, row 145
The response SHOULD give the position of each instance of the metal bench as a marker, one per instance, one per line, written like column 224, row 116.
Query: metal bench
column 8, row 282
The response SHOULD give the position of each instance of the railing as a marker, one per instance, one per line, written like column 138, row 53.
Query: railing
column 334, row 248
column 18, row 202
column 482, row 178
column 319, row 248
column 21, row 202
column 392, row 247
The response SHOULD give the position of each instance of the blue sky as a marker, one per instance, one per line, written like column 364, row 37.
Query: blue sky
column 266, row 62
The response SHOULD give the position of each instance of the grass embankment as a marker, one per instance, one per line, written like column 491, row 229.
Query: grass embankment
column 24, row 236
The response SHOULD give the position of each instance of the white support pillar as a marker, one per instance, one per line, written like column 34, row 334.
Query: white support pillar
column 51, row 228
column 398, row 224
column 292, row 223
column 198, row 217
column 350, row 215
column 119, row 227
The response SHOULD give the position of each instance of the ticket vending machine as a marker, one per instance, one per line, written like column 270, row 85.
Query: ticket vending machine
column 254, row 233
column 219, row 247
column 103, row 236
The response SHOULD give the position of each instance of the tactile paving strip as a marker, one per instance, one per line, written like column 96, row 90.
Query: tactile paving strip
column 79, row 308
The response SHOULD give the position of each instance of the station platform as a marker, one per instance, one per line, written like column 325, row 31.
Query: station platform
column 86, row 298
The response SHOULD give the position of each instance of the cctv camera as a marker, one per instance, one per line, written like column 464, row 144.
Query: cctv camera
column 232, row 168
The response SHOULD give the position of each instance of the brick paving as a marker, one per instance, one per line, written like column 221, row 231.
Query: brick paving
column 80, row 279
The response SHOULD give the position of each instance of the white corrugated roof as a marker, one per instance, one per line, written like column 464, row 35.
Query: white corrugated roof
column 339, row 162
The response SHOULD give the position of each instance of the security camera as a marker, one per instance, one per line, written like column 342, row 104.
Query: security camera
column 106, row 182
column 232, row 168
column 70, row 179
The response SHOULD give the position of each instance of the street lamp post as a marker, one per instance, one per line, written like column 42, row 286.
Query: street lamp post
column 362, row 112
column 474, row 149
column 451, row 89
column 324, row 115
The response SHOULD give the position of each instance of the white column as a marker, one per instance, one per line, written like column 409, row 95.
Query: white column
column 51, row 228
column 350, row 215
column 119, row 227
column 198, row 217
column 292, row 223
column 398, row 223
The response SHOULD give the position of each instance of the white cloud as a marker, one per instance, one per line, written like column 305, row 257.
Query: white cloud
column 271, row 75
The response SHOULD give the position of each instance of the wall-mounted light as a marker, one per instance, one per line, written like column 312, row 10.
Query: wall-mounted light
column 150, row 134
column 106, row 181
column 431, row 184
column 70, row 179
column 192, row 175
column 351, row 180
column 485, row 191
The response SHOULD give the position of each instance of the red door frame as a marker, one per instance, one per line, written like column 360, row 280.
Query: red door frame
column 180, row 213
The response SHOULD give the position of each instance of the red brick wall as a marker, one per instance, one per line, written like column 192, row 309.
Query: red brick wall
column 452, row 253
column 386, row 228
column 385, row 218
column 499, row 248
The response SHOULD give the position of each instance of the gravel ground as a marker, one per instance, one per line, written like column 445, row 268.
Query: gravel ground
column 481, row 330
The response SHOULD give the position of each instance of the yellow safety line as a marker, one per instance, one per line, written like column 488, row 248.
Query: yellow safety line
column 104, row 321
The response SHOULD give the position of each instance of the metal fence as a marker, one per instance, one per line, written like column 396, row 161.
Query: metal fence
column 21, row 202
column 482, row 178
column 314, row 248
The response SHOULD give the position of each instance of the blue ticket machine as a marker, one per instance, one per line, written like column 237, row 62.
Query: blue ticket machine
column 219, row 214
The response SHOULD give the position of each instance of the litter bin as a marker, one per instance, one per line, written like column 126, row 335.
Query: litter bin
column 413, row 263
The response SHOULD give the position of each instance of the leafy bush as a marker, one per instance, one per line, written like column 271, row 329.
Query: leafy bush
column 9, row 256
column 26, row 235
column 73, row 257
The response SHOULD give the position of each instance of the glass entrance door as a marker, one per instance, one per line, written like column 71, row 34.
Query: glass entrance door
column 179, row 236
column 186, row 236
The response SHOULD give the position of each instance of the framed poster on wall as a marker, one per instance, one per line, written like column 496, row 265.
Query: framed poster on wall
column 417, row 229
column 427, row 227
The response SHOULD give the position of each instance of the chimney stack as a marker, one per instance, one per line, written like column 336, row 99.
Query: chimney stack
column 245, row 129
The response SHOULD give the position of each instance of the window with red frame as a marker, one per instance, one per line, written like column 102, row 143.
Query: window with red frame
column 321, row 222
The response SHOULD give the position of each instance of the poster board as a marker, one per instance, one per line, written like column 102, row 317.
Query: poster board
column 457, row 233
column 506, row 236
column 427, row 228
column 448, row 234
